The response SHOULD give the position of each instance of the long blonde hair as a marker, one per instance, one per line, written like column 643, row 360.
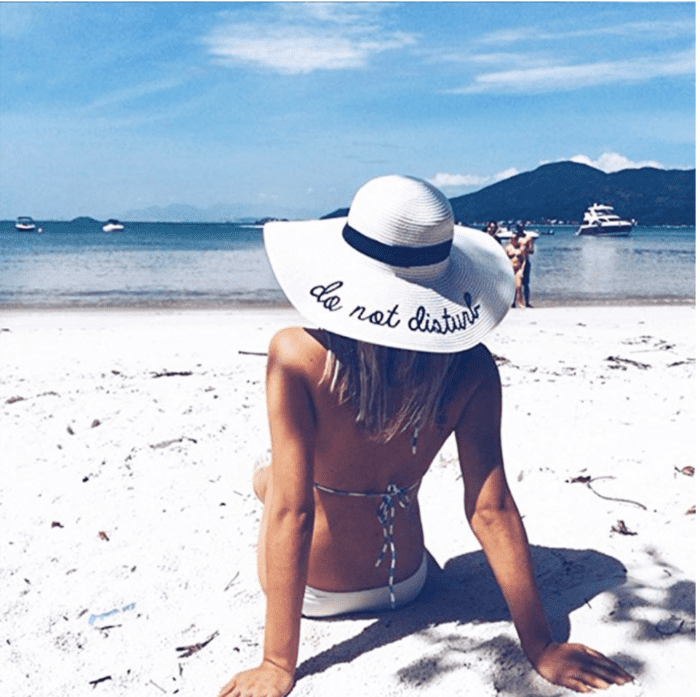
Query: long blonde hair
column 362, row 375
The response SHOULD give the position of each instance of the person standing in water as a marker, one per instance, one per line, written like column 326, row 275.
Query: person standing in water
column 358, row 409
column 527, row 244
column 517, row 256
column 491, row 228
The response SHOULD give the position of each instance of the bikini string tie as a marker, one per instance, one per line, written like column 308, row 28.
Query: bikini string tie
column 386, row 513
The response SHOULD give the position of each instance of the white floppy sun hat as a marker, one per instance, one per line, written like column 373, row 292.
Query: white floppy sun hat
column 396, row 272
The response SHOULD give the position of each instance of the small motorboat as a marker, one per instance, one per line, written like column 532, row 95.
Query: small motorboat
column 25, row 224
column 112, row 225
column 504, row 233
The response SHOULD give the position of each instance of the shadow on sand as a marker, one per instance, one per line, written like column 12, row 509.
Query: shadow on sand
column 465, row 592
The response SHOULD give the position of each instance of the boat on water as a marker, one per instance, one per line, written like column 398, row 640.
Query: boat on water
column 504, row 233
column 112, row 225
column 600, row 220
column 25, row 224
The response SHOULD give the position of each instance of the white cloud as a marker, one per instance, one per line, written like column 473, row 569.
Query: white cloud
column 574, row 77
column 614, row 162
column 505, row 174
column 331, row 12
column 136, row 92
column 645, row 29
column 508, row 36
column 305, row 37
column 299, row 50
column 443, row 180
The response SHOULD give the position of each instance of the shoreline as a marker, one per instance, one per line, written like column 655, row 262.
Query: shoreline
column 266, row 306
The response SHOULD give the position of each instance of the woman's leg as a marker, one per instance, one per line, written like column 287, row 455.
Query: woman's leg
column 519, row 289
column 526, row 283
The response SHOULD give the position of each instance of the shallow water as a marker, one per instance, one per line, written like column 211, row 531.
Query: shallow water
column 212, row 265
column 653, row 264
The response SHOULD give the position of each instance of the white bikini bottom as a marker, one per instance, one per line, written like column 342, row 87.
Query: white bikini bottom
column 318, row 603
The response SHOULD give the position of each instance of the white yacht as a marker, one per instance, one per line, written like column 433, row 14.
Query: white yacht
column 25, row 224
column 600, row 220
column 112, row 225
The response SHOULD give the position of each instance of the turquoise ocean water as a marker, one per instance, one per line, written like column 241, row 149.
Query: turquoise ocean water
column 224, row 265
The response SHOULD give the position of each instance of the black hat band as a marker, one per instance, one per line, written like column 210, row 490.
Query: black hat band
column 396, row 255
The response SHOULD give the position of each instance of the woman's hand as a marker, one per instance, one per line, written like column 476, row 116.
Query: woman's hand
column 579, row 668
column 267, row 680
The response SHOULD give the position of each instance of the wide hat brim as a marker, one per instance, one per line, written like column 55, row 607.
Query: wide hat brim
column 339, row 289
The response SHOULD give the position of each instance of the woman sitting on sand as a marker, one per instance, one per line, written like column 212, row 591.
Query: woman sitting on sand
column 359, row 409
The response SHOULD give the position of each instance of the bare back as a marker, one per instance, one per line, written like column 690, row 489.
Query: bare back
column 347, row 537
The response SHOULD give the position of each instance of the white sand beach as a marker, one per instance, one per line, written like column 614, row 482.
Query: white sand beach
column 128, row 525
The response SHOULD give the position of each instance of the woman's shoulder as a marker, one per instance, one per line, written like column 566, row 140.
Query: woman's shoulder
column 296, row 346
column 478, row 365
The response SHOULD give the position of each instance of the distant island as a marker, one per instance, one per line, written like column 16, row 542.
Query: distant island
column 85, row 221
column 560, row 192
column 262, row 221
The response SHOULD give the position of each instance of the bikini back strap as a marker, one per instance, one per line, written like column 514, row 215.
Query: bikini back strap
column 391, row 490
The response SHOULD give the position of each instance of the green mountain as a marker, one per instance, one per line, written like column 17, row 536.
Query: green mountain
column 563, row 190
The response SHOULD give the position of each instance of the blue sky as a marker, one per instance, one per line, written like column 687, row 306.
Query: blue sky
column 285, row 109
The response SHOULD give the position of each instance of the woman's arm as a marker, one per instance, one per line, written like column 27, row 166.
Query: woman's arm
column 290, row 517
column 496, row 522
